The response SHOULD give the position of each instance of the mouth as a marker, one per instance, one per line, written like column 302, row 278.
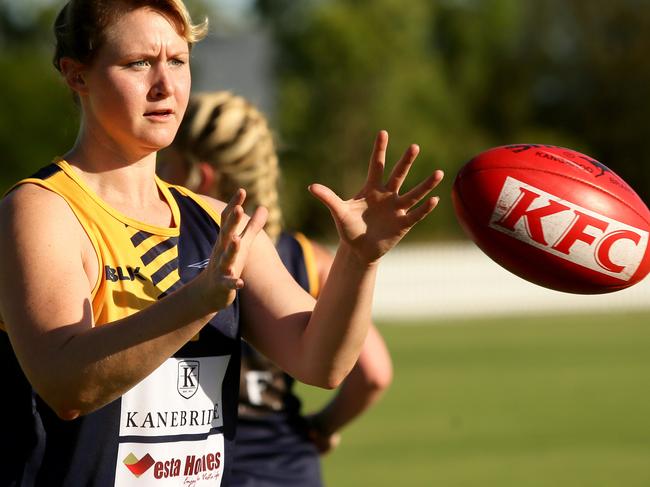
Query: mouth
column 162, row 113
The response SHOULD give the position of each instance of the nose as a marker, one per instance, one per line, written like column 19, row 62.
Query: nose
column 162, row 86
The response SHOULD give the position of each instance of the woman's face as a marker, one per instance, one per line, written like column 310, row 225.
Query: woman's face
column 138, row 85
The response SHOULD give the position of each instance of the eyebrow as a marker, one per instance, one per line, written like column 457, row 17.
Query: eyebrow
column 145, row 53
column 179, row 53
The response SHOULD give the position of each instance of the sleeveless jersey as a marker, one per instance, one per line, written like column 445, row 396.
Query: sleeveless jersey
column 272, row 448
column 174, row 428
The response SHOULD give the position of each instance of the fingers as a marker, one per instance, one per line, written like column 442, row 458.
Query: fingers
column 227, row 245
column 402, row 168
column 255, row 223
column 417, row 214
column 378, row 159
column 407, row 200
column 231, row 250
column 233, row 283
column 231, row 218
column 231, row 242
column 227, row 262
column 232, row 245
column 237, row 199
column 232, row 214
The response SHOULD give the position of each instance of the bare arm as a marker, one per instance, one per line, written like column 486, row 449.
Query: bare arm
column 363, row 387
column 322, row 346
column 282, row 321
column 45, row 304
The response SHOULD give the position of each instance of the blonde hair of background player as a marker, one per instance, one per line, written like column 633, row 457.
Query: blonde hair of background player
column 225, row 143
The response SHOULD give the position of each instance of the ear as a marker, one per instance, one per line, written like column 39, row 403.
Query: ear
column 74, row 74
column 209, row 178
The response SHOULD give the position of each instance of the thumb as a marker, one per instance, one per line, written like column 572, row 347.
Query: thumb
column 325, row 196
column 256, row 222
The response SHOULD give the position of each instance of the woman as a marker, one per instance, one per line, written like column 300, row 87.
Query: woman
column 119, row 294
column 224, row 143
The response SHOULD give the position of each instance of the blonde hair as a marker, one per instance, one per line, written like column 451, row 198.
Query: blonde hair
column 80, row 25
column 233, row 136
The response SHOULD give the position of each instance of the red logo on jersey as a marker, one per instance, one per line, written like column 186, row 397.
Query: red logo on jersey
column 138, row 467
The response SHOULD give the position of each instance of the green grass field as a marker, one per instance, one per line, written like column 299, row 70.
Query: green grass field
column 545, row 401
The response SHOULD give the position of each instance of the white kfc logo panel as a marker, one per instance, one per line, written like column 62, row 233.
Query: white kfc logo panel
column 568, row 231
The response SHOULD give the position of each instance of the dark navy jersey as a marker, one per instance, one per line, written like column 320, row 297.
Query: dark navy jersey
column 272, row 448
column 177, row 426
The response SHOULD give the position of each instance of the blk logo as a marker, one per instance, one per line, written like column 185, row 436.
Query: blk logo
column 188, row 378
column 120, row 273
column 568, row 231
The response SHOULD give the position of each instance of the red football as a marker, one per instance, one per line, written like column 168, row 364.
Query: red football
column 554, row 217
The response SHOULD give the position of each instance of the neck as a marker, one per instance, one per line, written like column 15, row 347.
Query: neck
column 124, row 181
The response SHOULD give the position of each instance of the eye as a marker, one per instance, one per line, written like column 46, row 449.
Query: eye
column 177, row 62
column 141, row 63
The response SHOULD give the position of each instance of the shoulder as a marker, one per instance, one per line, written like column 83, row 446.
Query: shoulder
column 215, row 204
column 33, row 201
column 40, row 241
column 34, row 215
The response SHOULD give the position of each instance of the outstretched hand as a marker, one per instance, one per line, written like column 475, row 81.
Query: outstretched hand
column 378, row 217
column 223, row 272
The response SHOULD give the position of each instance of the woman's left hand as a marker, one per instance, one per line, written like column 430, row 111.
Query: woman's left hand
column 378, row 217
column 324, row 442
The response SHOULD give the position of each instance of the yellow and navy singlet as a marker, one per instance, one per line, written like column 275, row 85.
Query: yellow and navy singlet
column 177, row 426
column 272, row 447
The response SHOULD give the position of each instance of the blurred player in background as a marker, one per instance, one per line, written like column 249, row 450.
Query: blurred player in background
column 223, row 144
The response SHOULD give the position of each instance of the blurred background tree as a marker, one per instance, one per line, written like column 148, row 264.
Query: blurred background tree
column 37, row 116
column 455, row 76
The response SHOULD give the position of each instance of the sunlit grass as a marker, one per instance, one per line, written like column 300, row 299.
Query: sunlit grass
column 545, row 401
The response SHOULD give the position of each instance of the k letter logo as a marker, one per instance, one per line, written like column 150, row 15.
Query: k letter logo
column 188, row 378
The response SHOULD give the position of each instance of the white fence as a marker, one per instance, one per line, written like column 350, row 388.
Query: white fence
column 457, row 280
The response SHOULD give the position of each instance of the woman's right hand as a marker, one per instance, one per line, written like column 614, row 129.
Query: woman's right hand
column 378, row 217
column 222, row 276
